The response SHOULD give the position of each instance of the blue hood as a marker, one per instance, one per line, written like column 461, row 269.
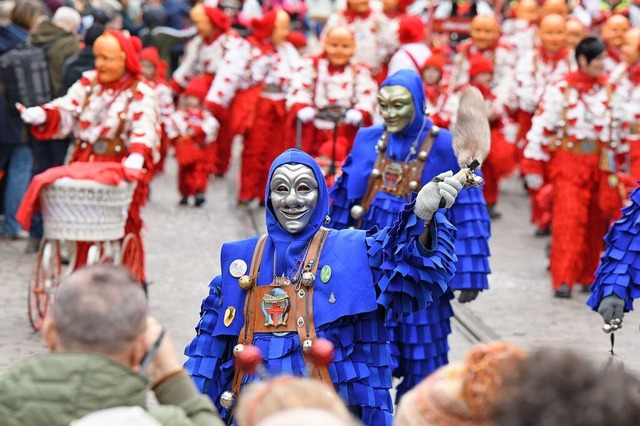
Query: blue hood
column 410, row 80
column 277, row 232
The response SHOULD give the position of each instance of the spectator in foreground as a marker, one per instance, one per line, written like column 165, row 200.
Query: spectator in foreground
column 98, row 338
column 562, row 388
column 286, row 398
column 464, row 393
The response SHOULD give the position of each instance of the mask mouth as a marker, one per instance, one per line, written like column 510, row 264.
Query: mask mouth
column 294, row 214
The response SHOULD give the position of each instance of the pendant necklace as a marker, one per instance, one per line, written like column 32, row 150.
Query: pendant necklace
column 413, row 150
column 285, row 279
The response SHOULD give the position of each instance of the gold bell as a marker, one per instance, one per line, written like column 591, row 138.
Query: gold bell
column 413, row 185
column 422, row 155
column 306, row 345
column 227, row 399
column 435, row 130
column 246, row 282
column 357, row 211
column 375, row 173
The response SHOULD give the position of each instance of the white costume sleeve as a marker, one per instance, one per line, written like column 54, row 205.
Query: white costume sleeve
column 366, row 90
column 187, row 69
column 230, row 72
column 210, row 127
column 545, row 123
column 302, row 84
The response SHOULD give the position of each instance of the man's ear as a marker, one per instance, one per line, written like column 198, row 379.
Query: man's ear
column 50, row 335
column 138, row 351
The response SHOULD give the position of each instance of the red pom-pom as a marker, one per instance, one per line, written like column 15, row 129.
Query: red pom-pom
column 249, row 359
column 321, row 353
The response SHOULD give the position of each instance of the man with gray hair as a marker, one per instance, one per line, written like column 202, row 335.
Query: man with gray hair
column 105, row 352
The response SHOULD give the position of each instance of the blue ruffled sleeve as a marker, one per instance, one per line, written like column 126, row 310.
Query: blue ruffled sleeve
column 619, row 270
column 473, row 229
column 340, row 213
column 208, row 355
column 406, row 279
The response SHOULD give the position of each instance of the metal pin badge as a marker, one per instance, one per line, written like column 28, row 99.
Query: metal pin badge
column 325, row 274
column 238, row 268
column 229, row 315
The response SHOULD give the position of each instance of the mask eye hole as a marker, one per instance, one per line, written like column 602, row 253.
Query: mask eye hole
column 282, row 188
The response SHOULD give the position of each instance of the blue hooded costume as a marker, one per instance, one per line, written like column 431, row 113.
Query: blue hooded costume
column 419, row 342
column 372, row 273
column 619, row 270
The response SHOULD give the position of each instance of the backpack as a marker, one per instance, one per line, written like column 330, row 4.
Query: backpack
column 24, row 72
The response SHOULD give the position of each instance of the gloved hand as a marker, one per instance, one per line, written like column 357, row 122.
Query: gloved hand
column 306, row 114
column 468, row 295
column 444, row 186
column 353, row 117
column 611, row 307
column 134, row 161
column 34, row 115
column 533, row 181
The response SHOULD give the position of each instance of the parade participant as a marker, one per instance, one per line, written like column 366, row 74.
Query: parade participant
column 272, row 68
column 554, row 7
column 197, row 129
column 520, row 32
column 330, row 157
column 435, row 89
column 219, row 53
column 376, row 40
column 112, row 113
column 419, row 342
column 576, row 130
column 576, row 31
column 613, row 37
column 501, row 161
column 155, row 70
column 535, row 72
column 630, row 76
column 413, row 50
column 301, row 282
column 485, row 40
column 332, row 79
column 616, row 285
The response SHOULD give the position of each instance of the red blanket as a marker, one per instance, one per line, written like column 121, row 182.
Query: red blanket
column 110, row 173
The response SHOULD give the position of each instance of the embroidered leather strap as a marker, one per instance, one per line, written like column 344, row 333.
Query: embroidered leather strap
column 308, row 331
column 249, row 316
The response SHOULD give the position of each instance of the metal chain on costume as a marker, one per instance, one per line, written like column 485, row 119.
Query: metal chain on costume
column 295, row 278
column 413, row 149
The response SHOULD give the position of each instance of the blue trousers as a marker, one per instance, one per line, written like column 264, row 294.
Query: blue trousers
column 19, row 166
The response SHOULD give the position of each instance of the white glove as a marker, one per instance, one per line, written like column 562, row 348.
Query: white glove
column 134, row 161
column 306, row 114
column 533, row 181
column 444, row 186
column 353, row 117
column 34, row 116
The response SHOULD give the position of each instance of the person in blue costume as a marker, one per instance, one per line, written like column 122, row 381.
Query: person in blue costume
column 617, row 281
column 362, row 276
column 418, row 343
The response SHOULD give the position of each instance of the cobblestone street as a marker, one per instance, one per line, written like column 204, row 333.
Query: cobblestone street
column 183, row 245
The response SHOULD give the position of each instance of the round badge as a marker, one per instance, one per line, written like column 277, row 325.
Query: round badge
column 238, row 268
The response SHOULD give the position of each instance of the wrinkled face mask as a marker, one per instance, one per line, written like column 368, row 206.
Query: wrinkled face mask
column 396, row 107
column 294, row 196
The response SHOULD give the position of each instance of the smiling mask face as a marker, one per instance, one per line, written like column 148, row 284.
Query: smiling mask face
column 294, row 196
column 396, row 107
